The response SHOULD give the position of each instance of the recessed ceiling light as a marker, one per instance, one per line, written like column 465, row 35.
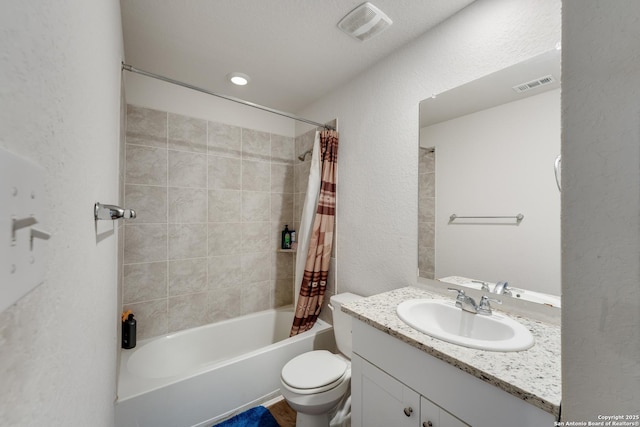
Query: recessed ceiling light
column 239, row 79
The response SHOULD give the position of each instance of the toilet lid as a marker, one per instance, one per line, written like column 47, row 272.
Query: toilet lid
column 313, row 369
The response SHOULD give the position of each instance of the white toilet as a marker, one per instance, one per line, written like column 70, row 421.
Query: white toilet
column 315, row 382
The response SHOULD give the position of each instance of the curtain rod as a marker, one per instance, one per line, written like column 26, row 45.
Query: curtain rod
column 229, row 98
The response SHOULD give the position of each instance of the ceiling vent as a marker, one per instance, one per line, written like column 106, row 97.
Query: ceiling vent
column 523, row 87
column 364, row 22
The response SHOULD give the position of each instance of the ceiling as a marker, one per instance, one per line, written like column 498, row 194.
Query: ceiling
column 492, row 90
column 291, row 49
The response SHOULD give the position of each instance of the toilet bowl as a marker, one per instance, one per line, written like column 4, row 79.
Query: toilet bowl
column 314, row 383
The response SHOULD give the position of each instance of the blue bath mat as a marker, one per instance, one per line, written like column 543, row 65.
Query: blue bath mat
column 254, row 417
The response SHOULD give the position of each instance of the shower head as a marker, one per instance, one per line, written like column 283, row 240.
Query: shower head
column 303, row 156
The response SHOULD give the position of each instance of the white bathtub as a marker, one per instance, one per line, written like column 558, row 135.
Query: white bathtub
column 203, row 375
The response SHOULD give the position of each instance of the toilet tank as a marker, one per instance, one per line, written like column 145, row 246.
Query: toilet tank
column 342, row 321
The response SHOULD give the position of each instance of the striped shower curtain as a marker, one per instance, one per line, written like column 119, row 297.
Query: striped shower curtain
column 316, row 270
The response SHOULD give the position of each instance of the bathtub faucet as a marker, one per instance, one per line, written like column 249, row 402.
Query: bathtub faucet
column 502, row 288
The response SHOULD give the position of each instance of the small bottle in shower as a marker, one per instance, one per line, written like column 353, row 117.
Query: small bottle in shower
column 286, row 238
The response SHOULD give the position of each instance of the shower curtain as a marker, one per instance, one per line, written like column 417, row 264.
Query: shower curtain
column 319, row 239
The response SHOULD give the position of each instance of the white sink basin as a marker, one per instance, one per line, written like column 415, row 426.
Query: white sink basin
column 443, row 320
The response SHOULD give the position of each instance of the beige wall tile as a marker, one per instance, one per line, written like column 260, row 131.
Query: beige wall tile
column 301, row 177
column 187, row 169
column 149, row 202
column 225, row 205
column 256, row 267
column 224, row 173
column 256, row 297
column 255, row 237
column 188, row 311
column 282, row 290
column 224, row 271
column 224, row 303
column 224, row 140
column 146, row 127
column 427, row 184
column 145, row 165
column 281, row 178
column 211, row 200
column 187, row 276
column 282, row 149
column 145, row 243
column 187, row 205
column 282, row 208
column 187, row 133
column 256, row 206
column 282, row 265
column 426, row 160
column 256, row 145
column 144, row 282
column 426, row 209
column 187, row 241
column 256, row 176
column 225, row 238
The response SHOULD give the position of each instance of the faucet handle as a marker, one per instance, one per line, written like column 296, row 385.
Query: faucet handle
column 484, row 285
column 460, row 292
column 485, row 306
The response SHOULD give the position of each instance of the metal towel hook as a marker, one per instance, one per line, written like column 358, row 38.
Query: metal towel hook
column 112, row 212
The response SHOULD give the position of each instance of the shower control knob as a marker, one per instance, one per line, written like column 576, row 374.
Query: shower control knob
column 408, row 411
column 427, row 424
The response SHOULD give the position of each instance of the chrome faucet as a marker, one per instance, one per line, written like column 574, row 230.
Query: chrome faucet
column 484, row 307
column 465, row 302
column 112, row 212
column 502, row 288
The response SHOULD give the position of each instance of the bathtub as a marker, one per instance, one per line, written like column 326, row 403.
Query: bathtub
column 200, row 376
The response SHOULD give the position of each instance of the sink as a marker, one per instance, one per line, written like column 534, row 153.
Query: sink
column 443, row 320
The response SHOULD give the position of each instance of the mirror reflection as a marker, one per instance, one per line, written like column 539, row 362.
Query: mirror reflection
column 489, row 200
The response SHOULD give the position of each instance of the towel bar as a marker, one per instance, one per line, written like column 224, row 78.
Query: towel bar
column 518, row 217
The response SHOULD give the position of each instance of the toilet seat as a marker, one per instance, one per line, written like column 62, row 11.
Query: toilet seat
column 314, row 372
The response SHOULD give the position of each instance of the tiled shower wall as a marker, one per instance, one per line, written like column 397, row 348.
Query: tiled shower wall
column 426, row 212
column 211, row 200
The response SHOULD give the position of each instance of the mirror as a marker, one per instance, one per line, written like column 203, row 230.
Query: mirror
column 489, row 203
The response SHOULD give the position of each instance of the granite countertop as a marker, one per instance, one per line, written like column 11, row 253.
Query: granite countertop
column 532, row 375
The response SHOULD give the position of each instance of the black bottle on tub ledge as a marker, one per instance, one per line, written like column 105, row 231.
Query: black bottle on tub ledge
column 128, row 330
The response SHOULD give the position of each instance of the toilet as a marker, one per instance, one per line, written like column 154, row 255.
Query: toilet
column 314, row 383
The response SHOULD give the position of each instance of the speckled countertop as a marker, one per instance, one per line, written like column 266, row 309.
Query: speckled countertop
column 532, row 375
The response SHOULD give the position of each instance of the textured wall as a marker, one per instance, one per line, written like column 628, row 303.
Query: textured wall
column 59, row 106
column 600, row 205
column 378, row 117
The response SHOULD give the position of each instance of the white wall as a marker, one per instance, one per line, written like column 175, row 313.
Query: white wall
column 499, row 161
column 59, row 106
column 148, row 92
column 378, row 120
column 600, row 209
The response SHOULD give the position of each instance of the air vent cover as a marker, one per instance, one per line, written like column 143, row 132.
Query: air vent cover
column 364, row 22
column 523, row 87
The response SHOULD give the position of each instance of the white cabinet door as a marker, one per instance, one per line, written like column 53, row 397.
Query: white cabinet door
column 379, row 400
column 432, row 415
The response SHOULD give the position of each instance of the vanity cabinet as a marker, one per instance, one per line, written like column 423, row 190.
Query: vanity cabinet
column 383, row 401
column 396, row 384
